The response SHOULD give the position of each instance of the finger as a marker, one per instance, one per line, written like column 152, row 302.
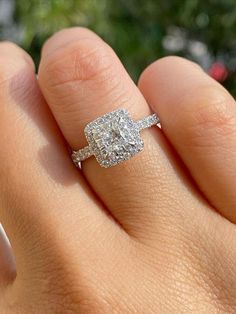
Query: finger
column 199, row 117
column 7, row 261
column 46, row 206
column 82, row 79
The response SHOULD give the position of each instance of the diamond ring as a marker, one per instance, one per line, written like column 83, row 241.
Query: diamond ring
column 113, row 138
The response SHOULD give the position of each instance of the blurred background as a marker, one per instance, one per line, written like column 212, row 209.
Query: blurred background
column 139, row 31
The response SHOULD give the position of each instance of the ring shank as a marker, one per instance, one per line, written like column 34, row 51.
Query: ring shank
column 81, row 155
column 147, row 122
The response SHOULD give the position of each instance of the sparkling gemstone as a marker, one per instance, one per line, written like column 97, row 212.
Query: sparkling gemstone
column 114, row 138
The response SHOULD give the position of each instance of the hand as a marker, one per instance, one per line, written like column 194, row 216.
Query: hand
column 155, row 234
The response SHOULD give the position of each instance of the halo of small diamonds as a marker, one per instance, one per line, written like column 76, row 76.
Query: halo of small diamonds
column 113, row 138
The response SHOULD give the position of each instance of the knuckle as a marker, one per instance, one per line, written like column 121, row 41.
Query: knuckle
column 12, row 66
column 210, row 117
column 6, row 73
column 71, row 32
column 85, row 60
column 169, row 61
column 161, row 65
column 215, row 109
column 17, row 83
column 8, row 45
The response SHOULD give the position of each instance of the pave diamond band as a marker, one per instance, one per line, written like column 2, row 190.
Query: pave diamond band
column 113, row 138
column 148, row 122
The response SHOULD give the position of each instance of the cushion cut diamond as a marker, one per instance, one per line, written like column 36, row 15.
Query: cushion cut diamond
column 114, row 138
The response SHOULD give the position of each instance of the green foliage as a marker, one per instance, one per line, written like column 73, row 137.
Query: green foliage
column 136, row 29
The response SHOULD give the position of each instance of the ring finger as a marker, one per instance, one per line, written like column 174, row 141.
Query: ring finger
column 82, row 79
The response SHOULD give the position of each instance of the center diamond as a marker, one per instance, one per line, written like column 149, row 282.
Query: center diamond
column 114, row 138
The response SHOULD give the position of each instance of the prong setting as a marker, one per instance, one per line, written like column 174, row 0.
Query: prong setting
column 113, row 138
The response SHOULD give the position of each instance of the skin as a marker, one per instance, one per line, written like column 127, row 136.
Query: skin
column 155, row 234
